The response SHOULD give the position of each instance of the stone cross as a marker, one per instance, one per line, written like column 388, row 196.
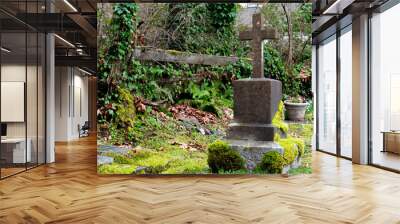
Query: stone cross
column 257, row 35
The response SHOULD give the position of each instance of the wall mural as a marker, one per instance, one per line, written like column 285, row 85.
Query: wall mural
column 202, row 88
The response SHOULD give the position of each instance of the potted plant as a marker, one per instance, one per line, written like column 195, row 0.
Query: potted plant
column 295, row 107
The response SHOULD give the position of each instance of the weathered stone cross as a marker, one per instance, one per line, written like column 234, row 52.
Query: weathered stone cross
column 251, row 133
column 257, row 35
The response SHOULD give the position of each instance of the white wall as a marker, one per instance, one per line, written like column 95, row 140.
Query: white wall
column 62, row 83
column 33, row 126
column 12, row 73
column 69, row 112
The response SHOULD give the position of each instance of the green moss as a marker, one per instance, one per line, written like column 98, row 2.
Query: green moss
column 169, row 161
column 188, row 166
column 278, row 120
column 277, row 137
column 155, row 164
column 116, row 169
column 272, row 162
column 290, row 150
column 221, row 157
column 175, row 52
column 303, row 132
column 234, row 172
column 300, row 145
column 122, row 159
column 125, row 108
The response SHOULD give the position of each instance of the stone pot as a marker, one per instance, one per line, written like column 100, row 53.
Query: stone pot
column 295, row 111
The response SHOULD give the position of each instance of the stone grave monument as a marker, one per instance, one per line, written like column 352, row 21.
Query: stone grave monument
column 256, row 100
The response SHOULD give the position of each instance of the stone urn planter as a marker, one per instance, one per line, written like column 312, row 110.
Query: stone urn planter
column 295, row 111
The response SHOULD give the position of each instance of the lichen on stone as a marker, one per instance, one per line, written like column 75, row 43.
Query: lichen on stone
column 278, row 120
column 293, row 148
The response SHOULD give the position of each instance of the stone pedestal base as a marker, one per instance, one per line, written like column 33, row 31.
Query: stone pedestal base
column 253, row 151
column 296, row 164
column 255, row 104
column 252, row 132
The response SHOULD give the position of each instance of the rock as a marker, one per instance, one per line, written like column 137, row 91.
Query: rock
column 140, row 170
column 104, row 160
column 253, row 151
column 193, row 124
column 138, row 149
column 251, row 131
column 208, row 132
column 201, row 130
column 189, row 122
column 217, row 132
column 296, row 163
column 101, row 149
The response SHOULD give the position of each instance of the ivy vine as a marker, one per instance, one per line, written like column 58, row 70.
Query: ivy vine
column 114, row 57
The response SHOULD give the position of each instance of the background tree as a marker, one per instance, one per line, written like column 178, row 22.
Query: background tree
column 293, row 22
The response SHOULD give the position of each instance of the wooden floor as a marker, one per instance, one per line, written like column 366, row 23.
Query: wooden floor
column 5, row 172
column 70, row 191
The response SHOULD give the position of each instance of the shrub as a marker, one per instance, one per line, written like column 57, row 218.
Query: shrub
column 272, row 162
column 221, row 157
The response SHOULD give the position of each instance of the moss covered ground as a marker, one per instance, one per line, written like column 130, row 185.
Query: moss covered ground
column 169, row 146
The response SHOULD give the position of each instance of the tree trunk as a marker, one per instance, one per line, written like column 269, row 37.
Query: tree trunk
column 288, row 16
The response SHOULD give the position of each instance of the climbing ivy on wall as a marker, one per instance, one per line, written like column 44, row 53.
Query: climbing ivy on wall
column 222, row 15
column 204, row 28
column 114, row 57
column 222, row 18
